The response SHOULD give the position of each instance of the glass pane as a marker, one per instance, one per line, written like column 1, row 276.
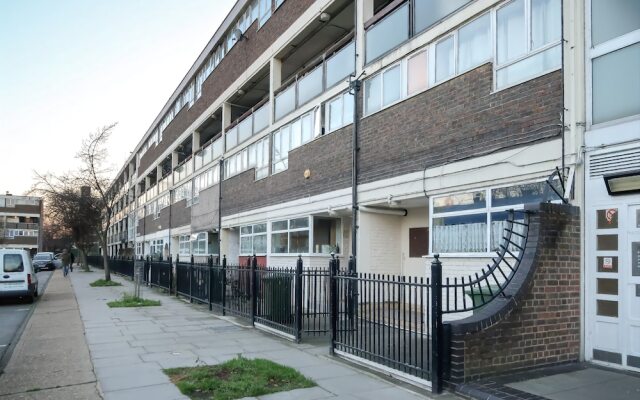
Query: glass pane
column 607, row 242
column 545, row 22
column 217, row 148
column 417, row 73
column 392, row 85
column 260, row 244
column 607, row 286
column 246, row 245
column 474, row 43
column 231, row 138
column 635, row 258
column 299, row 223
column 13, row 263
column 445, row 61
column 296, row 134
column 307, row 128
column 285, row 102
column 607, row 219
column 388, row 33
column 607, row 264
column 428, row 12
column 607, row 308
column 373, row 99
column 610, row 19
column 244, row 130
column 261, row 118
column 299, row 242
column 341, row 64
column 511, row 34
column 460, row 234
column 279, row 225
column 335, row 114
column 347, row 100
column 259, row 228
column 310, row 86
column 279, row 242
column 246, row 230
column 530, row 67
column 498, row 225
column 522, row 194
column 616, row 84
column 459, row 202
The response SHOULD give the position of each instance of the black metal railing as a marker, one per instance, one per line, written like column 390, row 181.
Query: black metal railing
column 159, row 274
column 383, row 319
column 472, row 292
column 117, row 265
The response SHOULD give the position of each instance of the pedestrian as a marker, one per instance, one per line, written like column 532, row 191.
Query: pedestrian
column 73, row 258
column 65, row 262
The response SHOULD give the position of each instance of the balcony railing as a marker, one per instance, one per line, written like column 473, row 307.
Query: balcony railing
column 19, row 225
column 252, row 122
column 183, row 170
column 208, row 153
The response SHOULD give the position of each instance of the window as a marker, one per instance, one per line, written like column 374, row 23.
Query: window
column 290, row 236
column 13, row 263
column 616, row 84
column 445, row 59
column 199, row 243
column 474, row 222
column 387, row 33
column 341, row 64
column 339, row 112
column 418, row 242
column 428, row 12
column 264, row 11
column 253, row 239
column 474, row 43
column 383, row 89
column 527, row 47
column 327, row 235
column 293, row 135
column 156, row 247
column 615, row 60
column 184, row 245
column 417, row 72
column 255, row 156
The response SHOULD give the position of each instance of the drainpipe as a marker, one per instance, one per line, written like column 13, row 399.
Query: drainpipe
column 170, row 207
column 354, row 88
column 221, row 173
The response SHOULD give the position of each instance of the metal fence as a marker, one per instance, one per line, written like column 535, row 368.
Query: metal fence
column 159, row 274
column 120, row 266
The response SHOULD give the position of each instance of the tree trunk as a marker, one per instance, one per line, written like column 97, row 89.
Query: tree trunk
column 83, row 259
column 105, row 259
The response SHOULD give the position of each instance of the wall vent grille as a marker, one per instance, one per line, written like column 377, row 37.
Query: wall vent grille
column 616, row 162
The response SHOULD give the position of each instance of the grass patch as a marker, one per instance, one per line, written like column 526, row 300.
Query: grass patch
column 132, row 301
column 103, row 283
column 236, row 379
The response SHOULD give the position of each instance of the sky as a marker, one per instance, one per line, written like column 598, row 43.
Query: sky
column 68, row 67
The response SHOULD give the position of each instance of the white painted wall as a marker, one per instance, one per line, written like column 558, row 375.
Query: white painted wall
column 379, row 243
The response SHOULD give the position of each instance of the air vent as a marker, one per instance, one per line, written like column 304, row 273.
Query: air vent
column 615, row 162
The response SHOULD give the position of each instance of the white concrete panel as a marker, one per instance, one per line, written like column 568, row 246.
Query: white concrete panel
column 379, row 243
column 634, row 341
column 606, row 336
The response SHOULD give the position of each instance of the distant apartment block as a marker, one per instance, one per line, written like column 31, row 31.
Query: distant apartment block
column 20, row 222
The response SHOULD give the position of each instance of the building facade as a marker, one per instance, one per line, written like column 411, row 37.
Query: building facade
column 21, row 222
column 385, row 130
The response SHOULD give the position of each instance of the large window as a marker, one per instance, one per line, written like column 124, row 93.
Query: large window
column 615, row 59
column 293, row 135
column 527, row 47
column 327, row 235
column 253, row 239
column 199, row 243
column 290, row 236
column 255, row 156
column 338, row 112
column 473, row 222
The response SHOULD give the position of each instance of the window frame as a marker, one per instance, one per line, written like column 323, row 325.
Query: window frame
column 252, row 235
column 594, row 51
column 289, row 230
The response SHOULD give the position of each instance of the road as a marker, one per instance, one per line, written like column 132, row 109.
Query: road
column 13, row 314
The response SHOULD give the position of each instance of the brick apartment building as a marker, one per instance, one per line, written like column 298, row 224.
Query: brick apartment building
column 463, row 110
column 20, row 222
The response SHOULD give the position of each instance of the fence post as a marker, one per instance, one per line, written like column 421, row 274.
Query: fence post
column 210, row 281
column 177, row 274
column 224, row 284
column 171, row 274
column 333, row 298
column 253, row 282
column 299, row 299
column 191, row 280
column 436, row 325
column 351, row 298
column 149, row 273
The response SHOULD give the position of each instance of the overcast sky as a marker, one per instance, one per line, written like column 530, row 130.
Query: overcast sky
column 68, row 67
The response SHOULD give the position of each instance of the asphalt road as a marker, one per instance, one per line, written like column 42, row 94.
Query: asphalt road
column 13, row 313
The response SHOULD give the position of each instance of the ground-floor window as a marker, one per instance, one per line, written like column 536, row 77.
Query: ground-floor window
column 290, row 236
column 473, row 222
column 199, row 243
column 184, row 245
column 253, row 239
column 155, row 247
column 327, row 235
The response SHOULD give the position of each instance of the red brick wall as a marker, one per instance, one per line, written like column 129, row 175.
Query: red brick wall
column 544, row 329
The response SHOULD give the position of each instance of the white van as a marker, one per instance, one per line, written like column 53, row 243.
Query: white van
column 17, row 278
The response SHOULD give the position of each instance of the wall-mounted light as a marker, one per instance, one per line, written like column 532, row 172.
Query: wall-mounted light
column 621, row 184
column 325, row 17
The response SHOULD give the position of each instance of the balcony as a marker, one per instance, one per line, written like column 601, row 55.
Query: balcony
column 252, row 122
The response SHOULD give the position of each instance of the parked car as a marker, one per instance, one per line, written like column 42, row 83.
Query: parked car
column 17, row 276
column 44, row 260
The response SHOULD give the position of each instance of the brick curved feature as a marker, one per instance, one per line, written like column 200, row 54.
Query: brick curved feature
column 537, row 321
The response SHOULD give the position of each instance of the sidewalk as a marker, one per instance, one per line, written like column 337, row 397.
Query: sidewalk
column 51, row 360
column 130, row 347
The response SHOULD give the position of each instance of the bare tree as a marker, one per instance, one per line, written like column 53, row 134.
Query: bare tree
column 95, row 173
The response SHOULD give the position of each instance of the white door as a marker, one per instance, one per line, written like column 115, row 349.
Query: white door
column 630, row 281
